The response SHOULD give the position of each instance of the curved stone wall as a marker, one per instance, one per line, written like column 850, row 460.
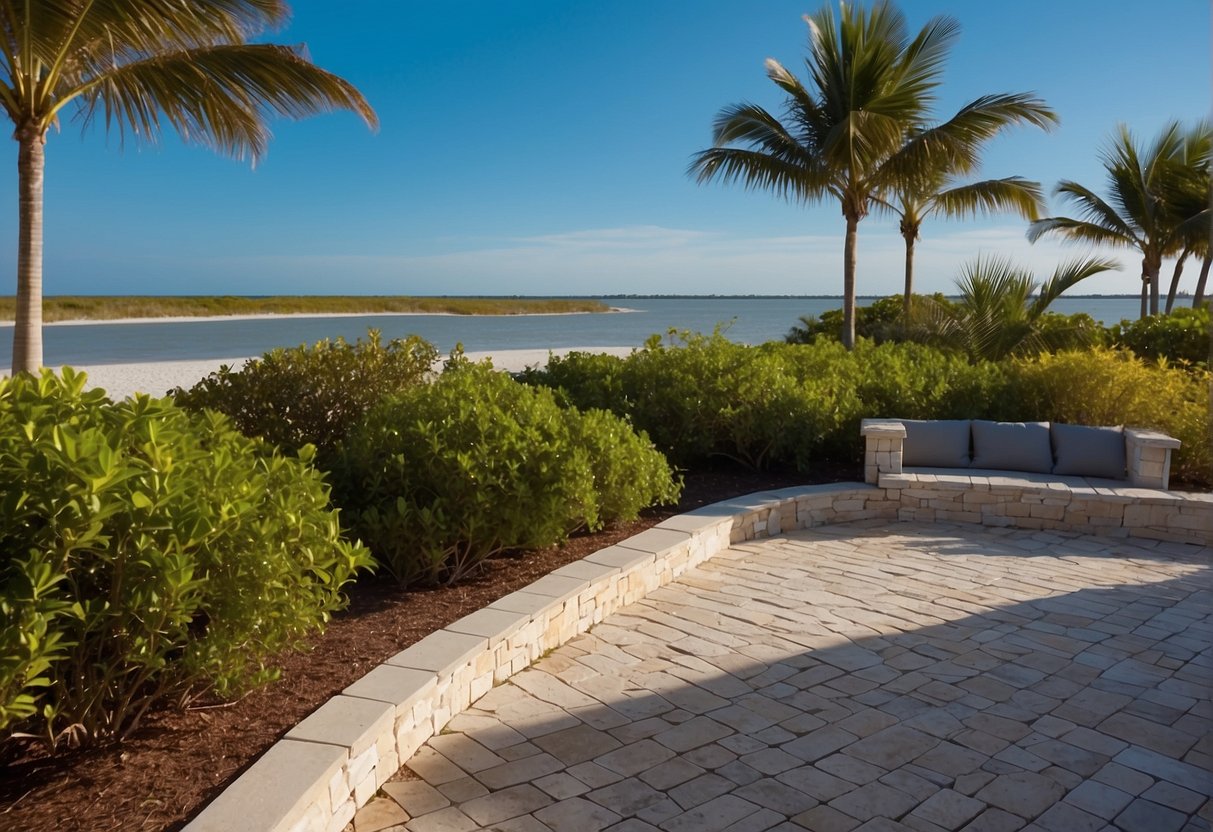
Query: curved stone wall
column 334, row 761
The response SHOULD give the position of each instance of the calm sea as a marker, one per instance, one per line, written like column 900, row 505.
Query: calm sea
column 749, row 320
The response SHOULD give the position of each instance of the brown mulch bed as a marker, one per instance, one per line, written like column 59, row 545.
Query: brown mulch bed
column 180, row 760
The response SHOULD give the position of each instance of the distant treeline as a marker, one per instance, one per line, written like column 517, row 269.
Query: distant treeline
column 76, row 308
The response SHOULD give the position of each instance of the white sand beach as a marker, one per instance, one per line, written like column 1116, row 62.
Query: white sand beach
column 158, row 377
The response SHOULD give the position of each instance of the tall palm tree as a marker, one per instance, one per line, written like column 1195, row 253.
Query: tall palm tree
column 915, row 200
column 1189, row 192
column 135, row 64
column 1001, row 307
column 860, row 126
column 1136, row 213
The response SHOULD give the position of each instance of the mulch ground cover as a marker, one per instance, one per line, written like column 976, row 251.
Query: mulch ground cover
column 180, row 759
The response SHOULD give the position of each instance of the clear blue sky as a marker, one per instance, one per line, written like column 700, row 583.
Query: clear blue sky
column 541, row 146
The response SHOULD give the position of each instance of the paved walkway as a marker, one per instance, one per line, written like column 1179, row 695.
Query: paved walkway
column 856, row 676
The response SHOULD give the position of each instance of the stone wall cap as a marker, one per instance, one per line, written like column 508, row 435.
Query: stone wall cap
column 523, row 602
column 623, row 559
column 275, row 792
column 693, row 523
column 347, row 721
column 398, row 686
column 1151, row 438
column 657, row 541
column 493, row 624
column 440, row 651
column 882, row 427
column 586, row 571
column 557, row 587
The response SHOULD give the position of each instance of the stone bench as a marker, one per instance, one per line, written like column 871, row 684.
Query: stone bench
column 1147, row 453
column 1138, row 505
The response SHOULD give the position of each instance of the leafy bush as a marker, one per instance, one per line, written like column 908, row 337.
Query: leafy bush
column 776, row 405
column 1183, row 335
column 445, row 475
column 312, row 395
column 880, row 321
column 148, row 553
column 1108, row 387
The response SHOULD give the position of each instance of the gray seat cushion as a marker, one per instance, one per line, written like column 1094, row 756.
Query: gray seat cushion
column 1012, row 446
column 1088, row 451
column 941, row 443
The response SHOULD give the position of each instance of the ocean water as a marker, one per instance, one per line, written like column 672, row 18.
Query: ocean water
column 749, row 320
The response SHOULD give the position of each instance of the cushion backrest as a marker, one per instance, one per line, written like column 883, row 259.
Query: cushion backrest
column 937, row 443
column 1088, row 451
column 1012, row 446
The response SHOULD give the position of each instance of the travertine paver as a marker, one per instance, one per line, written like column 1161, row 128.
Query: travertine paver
column 860, row 676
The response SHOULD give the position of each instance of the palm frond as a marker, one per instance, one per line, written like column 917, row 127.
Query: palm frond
column 1013, row 193
column 759, row 171
column 1100, row 221
column 752, row 125
column 1065, row 277
column 218, row 96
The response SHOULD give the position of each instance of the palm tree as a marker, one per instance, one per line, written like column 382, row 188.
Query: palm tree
column 1002, row 307
column 915, row 200
column 1136, row 214
column 136, row 64
column 860, row 126
column 1189, row 192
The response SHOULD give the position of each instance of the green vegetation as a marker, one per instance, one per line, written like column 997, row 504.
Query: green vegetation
column 445, row 475
column 312, row 395
column 1108, row 387
column 73, row 308
column 148, row 554
column 1002, row 310
column 792, row 405
column 1182, row 335
column 200, row 67
column 704, row 398
column 860, row 131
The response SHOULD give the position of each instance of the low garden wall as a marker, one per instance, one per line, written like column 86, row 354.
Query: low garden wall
column 335, row 760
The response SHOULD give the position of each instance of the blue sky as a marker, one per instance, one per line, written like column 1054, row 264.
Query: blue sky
column 540, row 147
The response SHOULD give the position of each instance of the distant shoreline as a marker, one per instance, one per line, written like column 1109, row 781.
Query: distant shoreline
column 266, row 316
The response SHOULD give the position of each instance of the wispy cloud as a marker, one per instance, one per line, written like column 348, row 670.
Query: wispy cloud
column 645, row 259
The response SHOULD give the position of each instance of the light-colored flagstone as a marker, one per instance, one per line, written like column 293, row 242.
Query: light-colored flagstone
column 862, row 676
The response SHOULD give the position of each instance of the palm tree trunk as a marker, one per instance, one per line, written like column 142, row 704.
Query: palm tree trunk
column 905, row 312
column 27, row 328
column 1199, row 297
column 1179, row 270
column 1154, row 280
column 1145, row 296
column 848, row 284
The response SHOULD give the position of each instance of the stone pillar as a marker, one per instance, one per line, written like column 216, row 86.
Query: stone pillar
column 882, row 450
column 1148, row 454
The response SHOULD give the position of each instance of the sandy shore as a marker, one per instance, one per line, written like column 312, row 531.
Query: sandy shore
column 158, row 377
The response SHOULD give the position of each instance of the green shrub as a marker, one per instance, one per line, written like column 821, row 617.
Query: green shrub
column 775, row 405
column 1108, row 387
column 1183, row 335
column 147, row 553
column 448, row 474
column 312, row 395
column 880, row 321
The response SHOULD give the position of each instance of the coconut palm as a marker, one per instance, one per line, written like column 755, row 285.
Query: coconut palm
column 860, row 125
column 1002, row 307
column 915, row 200
column 135, row 65
column 1189, row 193
column 1136, row 213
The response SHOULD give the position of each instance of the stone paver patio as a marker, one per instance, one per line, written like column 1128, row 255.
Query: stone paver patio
column 859, row 676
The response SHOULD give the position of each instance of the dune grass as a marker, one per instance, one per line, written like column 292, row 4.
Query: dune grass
column 82, row 308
